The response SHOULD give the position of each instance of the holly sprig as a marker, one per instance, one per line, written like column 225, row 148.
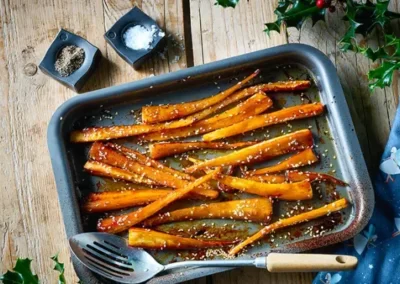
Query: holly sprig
column 22, row 272
column 362, row 19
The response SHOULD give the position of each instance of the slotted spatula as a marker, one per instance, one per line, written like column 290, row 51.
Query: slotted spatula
column 110, row 256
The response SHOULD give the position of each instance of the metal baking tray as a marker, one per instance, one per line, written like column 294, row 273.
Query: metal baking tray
column 333, row 134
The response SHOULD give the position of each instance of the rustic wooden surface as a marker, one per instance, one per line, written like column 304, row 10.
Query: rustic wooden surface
column 30, row 218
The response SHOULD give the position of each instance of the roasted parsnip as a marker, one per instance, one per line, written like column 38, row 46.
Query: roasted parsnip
column 154, row 114
column 149, row 239
column 285, row 191
column 280, row 116
column 254, row 209
column 104, row 170
column 252, row 106
column 313, row 176
column 298, row 140
column 268, row 178
column 116, row 224
column 147, row 161
column 102, row 153
column 303, row 158
column 162, row 150
column 113, row 200
column 301, row 218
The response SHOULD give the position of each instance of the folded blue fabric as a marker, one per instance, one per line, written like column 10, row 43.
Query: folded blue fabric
column 377, row 247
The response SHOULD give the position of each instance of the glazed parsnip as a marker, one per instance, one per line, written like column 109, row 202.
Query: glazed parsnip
column 256, row 104
column 284, row 191
column 116, row 224
column 297, row 219
column 120, row 131
column 92, row 134
column 268, row 178
column 147, row 161
column 285, row 86
column 114, row 200
column 296, row 176
column 298, row 140
column 280, row 116
column 104, row 170
column 254, row 209
column 303, row 158
column 155, row 114
column 149, row 239
column 313, row 176
column 102, row 153
column 162, row 150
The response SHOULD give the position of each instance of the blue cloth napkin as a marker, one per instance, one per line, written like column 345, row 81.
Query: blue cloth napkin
column 377, row 247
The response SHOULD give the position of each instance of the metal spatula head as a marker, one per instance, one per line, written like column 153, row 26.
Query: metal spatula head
column 109, row 256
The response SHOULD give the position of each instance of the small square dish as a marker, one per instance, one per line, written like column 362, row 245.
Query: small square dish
column 76, row 79
column 138, row 31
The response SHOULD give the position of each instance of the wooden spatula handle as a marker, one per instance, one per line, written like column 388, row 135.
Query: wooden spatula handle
column 287, row 262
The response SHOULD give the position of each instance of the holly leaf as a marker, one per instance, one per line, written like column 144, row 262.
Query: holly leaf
column 60, row 268
column 380, row 13
column 21, row 274
column 227, row 3
column 11, row 277
column 383, row 75
column 293, row 13
column 362, row 19
column 394, row 43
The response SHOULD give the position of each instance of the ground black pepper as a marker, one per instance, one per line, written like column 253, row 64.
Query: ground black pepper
column 69, row 59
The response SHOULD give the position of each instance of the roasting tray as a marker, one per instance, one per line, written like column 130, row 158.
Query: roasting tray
column 333, row 133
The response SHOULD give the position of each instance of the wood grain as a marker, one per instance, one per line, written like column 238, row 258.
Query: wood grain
column 30, row 218
column 372, row 113
column 219, row 33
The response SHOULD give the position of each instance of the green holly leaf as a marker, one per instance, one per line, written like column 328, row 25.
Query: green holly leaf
column 227, row 3
column 380, row 13
column 60, row 268
column 21, row 274
column 383, row 75
column 11, row 277
column 363, row 18
column 293, row 13
column 394, row 42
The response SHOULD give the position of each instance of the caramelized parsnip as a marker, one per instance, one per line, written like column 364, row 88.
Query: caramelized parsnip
column 301, row 159
column 120, row 223
column 155, row 114
column 162, row 150
column 149, row 239
column 254, row 209
column 256, row 104
column 280, row 116
column 283, row 223
column 102, row 153
column 298, row 140
column 104, row 170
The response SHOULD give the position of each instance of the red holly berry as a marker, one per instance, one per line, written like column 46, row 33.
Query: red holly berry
column 320, row 4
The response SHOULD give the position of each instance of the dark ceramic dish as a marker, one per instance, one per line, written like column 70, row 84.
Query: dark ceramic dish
column 77, row 79
column 333, row 133
column 114, row 37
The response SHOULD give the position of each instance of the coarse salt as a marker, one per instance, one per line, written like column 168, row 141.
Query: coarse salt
column 139, row 37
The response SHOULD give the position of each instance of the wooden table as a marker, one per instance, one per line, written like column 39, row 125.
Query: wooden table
column 30, row 219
